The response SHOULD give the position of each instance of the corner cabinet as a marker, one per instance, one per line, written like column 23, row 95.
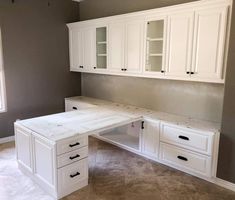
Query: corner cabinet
column 185, row 42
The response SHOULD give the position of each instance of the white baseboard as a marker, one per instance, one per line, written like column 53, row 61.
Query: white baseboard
column 225, row 184
column 7, row 139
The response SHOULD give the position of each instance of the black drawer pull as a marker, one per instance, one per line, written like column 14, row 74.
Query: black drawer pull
column 74, row 175
column 75, row 108
column 182, row 158
column 183, row 137
column 73, row 145
column 73, row 157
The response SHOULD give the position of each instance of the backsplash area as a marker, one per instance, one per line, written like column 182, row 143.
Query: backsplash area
column 197, row 100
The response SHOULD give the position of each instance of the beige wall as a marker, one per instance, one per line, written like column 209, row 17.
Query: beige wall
column 198, row 100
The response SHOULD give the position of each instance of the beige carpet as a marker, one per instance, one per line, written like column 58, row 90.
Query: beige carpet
column 115, row 174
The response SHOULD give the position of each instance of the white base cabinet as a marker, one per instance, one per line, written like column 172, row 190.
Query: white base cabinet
column 59, row 168
column 150, row 138
column 187, row 149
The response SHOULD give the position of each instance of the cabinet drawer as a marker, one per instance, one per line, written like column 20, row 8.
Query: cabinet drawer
column 71, row 144
column 201, row 142
column 72, row 156
column 185, row 160
column 75, row 105
column 72, row 177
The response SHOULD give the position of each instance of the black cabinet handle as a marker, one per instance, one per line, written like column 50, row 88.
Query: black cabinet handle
column 182, row 158
column 183, row 137
column 162, row 71
column 94, row 67
column 75, row 108
column 81, row 66
column 122, row 69
column 74, row 175
column 125, row 69
column 73, row 157
column 188, row 72
column 192, row 72
column 73, row 145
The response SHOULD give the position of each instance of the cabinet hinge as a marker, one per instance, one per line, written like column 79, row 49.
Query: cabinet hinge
column 142, row 125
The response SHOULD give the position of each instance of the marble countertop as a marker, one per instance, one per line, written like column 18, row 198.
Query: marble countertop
column 88, row 121
column 154, row 115
column 104, row 115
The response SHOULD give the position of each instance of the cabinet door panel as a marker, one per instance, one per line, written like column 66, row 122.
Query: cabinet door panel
column 24, row 149
column 209, row 44
column 151, row 138
column 44, row 162
column 134, row 46
column 89, row 48
column 76, row 49
column 180, row 39
column 116, row 46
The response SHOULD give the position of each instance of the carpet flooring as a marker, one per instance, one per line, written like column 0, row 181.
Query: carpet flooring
column 114, row 174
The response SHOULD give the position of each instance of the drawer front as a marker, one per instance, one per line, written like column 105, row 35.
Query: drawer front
column 71, row 176
column 74, row 105
column 71, row 144
column 185, row 160
column 72, row 156
column 201, row 142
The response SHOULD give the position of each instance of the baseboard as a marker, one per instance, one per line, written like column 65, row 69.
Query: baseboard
column 7, row 139
column 225, row 184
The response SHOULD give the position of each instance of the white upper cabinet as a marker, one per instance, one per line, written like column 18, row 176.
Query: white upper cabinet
column 76, row 49
column 89, row 48
column 209, row 43
column 125, row 46
column 101, row 48
column 180, row 39
column 116, row 46
column 134, row 46
column 155, row 43
column 185, row 42
column 81, row 49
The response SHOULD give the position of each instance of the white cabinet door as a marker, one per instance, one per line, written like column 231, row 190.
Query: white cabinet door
column 134, row 46
column 116, row 46
column 44, row 163
column 180, row 40
column 89, row 48
column 24, row 148
column 150, row 140
column 76, row 49
column 209, row 43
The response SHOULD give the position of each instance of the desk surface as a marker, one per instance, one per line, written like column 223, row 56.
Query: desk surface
column 103, row 115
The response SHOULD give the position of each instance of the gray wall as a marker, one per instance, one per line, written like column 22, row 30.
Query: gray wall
column 196, row 99
column 226, row 167
column 199, row 100
column 35, row 47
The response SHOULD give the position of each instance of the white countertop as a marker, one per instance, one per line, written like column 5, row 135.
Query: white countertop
column 104, row 115
column 151, row 114
column 63, row 125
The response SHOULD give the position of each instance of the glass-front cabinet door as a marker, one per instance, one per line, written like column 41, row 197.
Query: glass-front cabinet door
column 101, row 48
column 155, row 46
